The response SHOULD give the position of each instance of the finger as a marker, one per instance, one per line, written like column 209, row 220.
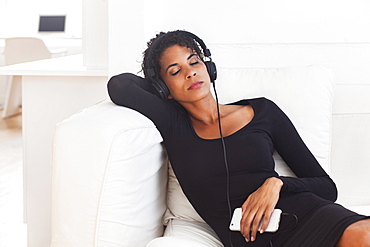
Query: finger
column 245, row 224
column 255, row 225
column 245, row 205
column 265, row 222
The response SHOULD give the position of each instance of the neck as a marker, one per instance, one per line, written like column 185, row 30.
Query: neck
column 204, row 111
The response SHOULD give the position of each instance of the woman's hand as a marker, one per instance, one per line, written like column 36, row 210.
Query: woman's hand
column 260, row 204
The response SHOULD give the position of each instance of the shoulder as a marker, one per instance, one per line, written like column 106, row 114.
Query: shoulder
column 267, row 108
column 261, row 106
column 258, row 103
column 262, row 101
column 126, row 76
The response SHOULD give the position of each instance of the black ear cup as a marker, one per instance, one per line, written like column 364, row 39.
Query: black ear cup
column 161, row 89
column 212, row 71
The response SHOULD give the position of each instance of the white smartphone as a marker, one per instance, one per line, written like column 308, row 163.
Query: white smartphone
column 272, row 226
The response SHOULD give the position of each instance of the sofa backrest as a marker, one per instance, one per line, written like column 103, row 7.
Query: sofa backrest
column 304, row 93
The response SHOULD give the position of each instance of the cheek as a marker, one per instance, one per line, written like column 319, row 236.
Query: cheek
column 167, row 81
column 204, row 71
column 171, row 85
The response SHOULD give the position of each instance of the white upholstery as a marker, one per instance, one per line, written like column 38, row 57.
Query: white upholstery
column 185, row 233
column 178, row 206
column 351, row 172
column 108, row 179
column 109, row 170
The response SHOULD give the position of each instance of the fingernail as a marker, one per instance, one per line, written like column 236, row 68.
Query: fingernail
column 252, row 239
column 246, row 239
column 261, row 231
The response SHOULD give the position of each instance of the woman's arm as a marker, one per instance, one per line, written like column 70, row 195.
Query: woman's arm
column 287, row 142
column 311, row 176
column 137, row 93
column 128, row 89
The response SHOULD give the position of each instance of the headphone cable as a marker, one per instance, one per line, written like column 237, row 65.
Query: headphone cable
column 228, row 177
column 287, row 230
column 225, row 160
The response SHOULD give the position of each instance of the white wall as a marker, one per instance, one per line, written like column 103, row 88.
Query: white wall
column 95, row 34
column 254, row 33
column 265, row 33
column 126, row 35
column 22, row 16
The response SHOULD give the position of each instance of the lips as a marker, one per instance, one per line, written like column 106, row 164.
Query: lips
column 195, row 85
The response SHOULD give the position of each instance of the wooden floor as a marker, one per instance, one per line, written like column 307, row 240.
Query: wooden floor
column 12, row 229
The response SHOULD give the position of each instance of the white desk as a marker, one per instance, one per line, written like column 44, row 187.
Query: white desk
column 71, row 45
column 57, row 46
column 52, row 90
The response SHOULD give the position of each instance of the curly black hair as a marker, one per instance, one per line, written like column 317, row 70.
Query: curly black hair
column 161, row 42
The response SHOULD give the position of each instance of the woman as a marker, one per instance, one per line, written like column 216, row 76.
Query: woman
column 219, row 174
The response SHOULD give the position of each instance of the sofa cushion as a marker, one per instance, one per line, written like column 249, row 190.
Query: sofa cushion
column 180, row 232
column 178, row 206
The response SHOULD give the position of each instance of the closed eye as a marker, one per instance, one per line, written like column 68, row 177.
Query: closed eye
column 191, row 57
column 175, row 73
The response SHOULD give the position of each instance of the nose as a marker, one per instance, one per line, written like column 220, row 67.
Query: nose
column 191, row 74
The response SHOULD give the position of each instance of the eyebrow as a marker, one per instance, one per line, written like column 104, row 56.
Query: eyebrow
column 174, row 64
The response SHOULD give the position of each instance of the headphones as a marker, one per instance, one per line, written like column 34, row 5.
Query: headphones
column 161, row 89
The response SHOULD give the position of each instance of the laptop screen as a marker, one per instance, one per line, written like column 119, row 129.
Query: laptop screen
column 55, row 23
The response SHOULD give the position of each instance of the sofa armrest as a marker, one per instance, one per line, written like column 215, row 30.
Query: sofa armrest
column 351, row 135
column 109, row 179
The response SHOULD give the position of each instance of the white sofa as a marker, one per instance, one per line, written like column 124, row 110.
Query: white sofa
column 110, row 183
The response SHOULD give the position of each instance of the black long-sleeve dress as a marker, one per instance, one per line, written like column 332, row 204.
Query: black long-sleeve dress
column 199, row 166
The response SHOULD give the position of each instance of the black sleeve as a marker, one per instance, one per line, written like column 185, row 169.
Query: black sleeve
column 311, row 177
column 137, row 93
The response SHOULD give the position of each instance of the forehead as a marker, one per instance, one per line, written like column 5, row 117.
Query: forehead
column 176, row 52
